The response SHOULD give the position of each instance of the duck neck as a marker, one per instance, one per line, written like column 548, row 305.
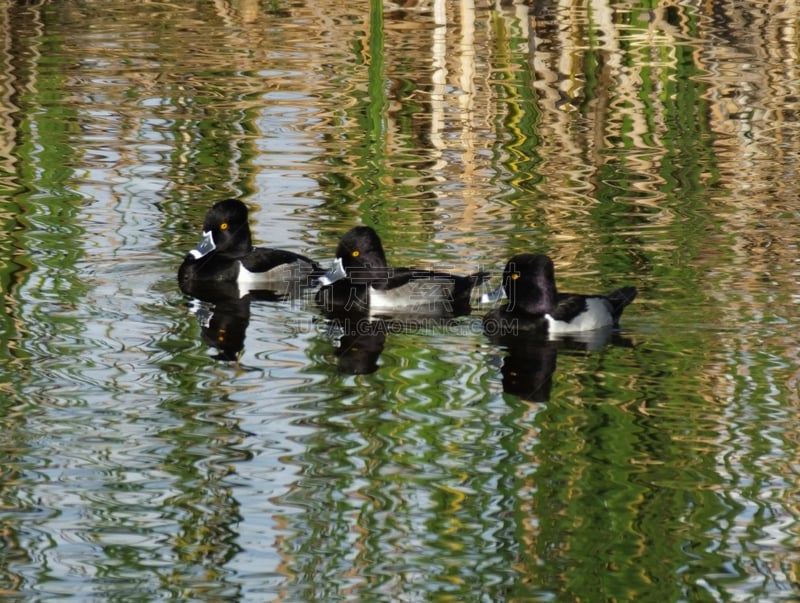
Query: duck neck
column 242, row 245
column 539, row 299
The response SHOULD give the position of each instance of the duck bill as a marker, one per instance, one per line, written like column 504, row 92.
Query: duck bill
column 336, row 273
column 205, row 246
column 493, row 295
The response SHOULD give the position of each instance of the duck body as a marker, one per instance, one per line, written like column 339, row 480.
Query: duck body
column 535, row 305
column 226, row 254
column 361, row 280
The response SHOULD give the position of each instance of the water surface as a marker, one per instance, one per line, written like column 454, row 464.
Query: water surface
column 654, row 146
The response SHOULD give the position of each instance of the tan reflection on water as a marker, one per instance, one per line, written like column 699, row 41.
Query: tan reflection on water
column 456, row 53
column 467, row 63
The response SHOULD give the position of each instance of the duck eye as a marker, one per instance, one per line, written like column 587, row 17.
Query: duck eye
column 514, row 276
column 356, row 253
column 223, row 226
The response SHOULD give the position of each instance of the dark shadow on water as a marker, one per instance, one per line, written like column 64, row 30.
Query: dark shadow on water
column 530, row 360
column 223, row 311
column 358, row 343
column 359, row 337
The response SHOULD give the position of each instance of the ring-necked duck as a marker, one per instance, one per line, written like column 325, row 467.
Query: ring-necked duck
column 534, row 304
column 226, row 253
column 361, row 280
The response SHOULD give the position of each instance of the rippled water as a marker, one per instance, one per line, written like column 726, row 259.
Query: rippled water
column 635, row 145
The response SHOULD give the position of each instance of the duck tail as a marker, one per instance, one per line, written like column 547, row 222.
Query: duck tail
column 620, row 298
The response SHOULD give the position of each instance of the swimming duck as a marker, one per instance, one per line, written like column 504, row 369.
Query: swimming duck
column 361, row 280
column 534, row 303
column 226, row 254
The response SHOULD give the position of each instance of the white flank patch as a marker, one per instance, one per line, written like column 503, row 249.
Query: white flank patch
column 426, row 296
column 282, row 273
column 281, row 279
column 596, row 316
column 380, row 299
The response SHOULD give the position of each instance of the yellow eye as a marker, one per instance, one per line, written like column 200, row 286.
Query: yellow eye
column 223, row 226
column 355, row 254
column 514, row 276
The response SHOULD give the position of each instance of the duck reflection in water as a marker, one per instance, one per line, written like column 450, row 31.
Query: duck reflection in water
column 360, row 337
column 358, row 342
column 529, row 363
column 223, row 310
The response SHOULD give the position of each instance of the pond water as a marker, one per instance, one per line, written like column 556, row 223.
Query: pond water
column 655, row 146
